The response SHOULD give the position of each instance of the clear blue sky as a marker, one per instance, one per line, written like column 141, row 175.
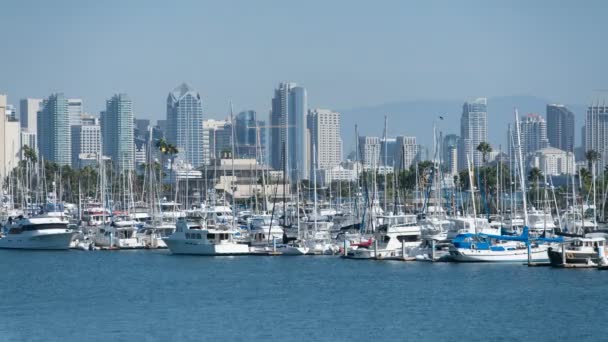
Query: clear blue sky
column 346, row 53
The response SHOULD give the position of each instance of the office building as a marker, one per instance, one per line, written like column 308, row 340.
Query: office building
column 75, row 111
column 217, row 138
column 324, row 127
column 86, row 141
column 449, row 152
column 117, row 132
column 28, row 114
column 54, row 134
column 10, row 140
column 289, row 135
column 185, row 124
column 596, row 130
column 249, row 143
column 560, row 127
column 473, row 131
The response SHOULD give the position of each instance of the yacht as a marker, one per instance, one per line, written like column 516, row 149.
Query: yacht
column 152, row 233
column 120, row 233
column 471, row 225
column 470, row 247
column 38, row 232
column 192, row 237
column 395, row 239
column 540, row 222
column 579, row 252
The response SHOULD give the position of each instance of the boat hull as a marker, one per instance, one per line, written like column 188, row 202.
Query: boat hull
column 509, row 256
column 572, row 257
column 194, row 248
column 45, row 240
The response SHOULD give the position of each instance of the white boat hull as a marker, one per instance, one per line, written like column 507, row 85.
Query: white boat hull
column 48, row 240
column 178, row 246
column 293, row 250
column 515, row 256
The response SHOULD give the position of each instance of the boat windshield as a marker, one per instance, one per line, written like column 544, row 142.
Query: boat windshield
column 44, row 226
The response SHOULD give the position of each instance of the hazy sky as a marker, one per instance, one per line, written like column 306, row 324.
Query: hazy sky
column 346, row 53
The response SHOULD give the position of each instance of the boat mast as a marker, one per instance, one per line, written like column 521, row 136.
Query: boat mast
column 522, row 183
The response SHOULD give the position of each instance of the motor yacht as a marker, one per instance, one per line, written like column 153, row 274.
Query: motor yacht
column 38, row 232
column 193, row 237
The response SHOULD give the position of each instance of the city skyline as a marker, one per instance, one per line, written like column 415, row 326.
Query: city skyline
column 424, row 60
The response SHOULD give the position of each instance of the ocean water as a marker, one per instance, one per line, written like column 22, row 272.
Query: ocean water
column 155, row 296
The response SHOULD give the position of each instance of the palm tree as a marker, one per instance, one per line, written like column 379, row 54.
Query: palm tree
column 534, row 175
column 166, row 148
column 485, row 149
column 30, row 154
column 592, row 156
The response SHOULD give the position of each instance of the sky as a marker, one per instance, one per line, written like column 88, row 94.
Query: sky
column 347, row 54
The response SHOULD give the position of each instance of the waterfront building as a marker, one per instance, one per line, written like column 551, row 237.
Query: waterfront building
column 117, row 132
column 185, row 124
column 289, row 134
column 406, row 152
column 28, row 114
column 473, row 131
column 54, row 134
column 324, row 127
column 250, row 144
column 533, row 133
column 560, row 127
column 552, row 161
column 337, row 173
column 10, row 140
column 86, row 140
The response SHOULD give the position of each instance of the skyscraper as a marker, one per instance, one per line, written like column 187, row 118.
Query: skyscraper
column 54, row 135
column 533, row 132
column 247, row 140
column 185, row 124
column 117, row 132
column 75, row 111
column 289, row 132
column 596, row 130
column 28, row 114
column 473, row 130
column 388, row 148
column 560, row 127
column 217, row 138
column 449, row 152
column 324, row 126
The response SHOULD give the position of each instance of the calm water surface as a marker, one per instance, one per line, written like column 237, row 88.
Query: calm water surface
column 155, row 296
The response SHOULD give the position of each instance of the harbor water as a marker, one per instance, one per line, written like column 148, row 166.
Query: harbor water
column 155, row 296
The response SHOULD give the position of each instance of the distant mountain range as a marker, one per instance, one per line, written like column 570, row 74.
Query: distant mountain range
column 416, row 118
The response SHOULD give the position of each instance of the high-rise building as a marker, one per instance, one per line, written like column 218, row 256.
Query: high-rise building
column 560, row 127
column 28, row 114
column 29, row 139
column 449, row 152
column 388, row 148
column 54, row 135
column 324, row 126
column 369, row 151
column 289, row 136
column 117, row 132
column 10, row 140
column 185, row 124
column 596, row 130
column 473, row 131
column 217, row 138
column 533, row 133
column 86, row 142
column 406, row 152
column 75, row 111
column 250, row 144
column 11, row 113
